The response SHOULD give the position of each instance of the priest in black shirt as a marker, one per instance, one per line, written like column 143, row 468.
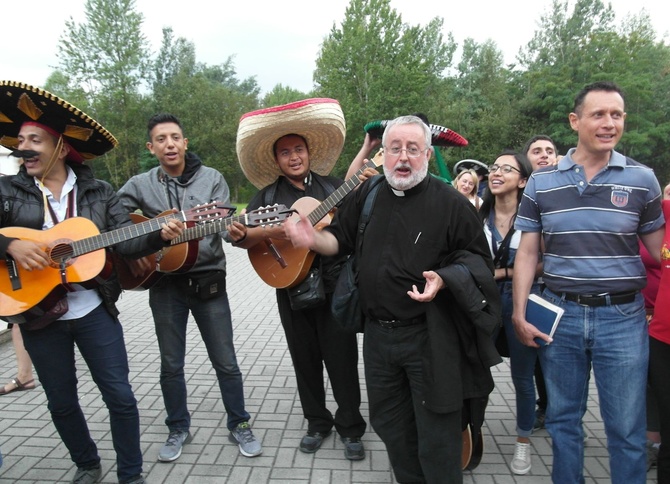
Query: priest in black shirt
column 427, row 346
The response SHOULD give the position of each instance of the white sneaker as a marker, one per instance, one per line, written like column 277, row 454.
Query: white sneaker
column 521, row 462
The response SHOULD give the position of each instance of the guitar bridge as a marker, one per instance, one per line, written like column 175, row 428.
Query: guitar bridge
column 13, row 272
column 275, row 253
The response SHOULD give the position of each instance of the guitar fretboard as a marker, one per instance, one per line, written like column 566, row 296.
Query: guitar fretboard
column 107, row 239
column 204, row 229
column 336, row 197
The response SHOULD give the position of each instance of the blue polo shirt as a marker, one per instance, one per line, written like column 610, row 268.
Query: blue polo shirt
column 591, row 228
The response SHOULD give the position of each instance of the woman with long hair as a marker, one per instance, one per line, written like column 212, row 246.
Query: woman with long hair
column 467, row 182
column 506, row 181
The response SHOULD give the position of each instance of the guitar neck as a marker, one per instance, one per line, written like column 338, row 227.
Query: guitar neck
column 113, row 237
column 336, row 197
column 208, row 228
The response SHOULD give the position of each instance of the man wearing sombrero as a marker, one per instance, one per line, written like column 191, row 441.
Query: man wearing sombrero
column 54, row 138
column 287, row 152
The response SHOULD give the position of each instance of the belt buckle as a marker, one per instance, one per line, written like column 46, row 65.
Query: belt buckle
column 388, row 324
column 591, row 299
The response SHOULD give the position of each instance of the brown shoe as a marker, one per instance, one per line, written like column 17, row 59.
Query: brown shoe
column 19, row 386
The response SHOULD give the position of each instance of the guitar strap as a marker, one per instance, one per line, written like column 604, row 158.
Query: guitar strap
column 69, row 211
column 271, row 192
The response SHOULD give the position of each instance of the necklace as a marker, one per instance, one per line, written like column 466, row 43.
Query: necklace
column 503, row 222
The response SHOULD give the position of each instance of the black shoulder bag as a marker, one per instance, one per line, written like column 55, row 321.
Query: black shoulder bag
column 500, row 259
column 345, row 305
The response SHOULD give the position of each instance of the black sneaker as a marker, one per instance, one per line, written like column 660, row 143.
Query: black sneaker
column 312, row 441
column 353, row 448
column 89, row 475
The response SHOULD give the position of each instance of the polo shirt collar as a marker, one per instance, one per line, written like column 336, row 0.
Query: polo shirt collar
column 566, row 163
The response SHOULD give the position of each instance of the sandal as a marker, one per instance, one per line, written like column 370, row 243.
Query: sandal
column 18, row 386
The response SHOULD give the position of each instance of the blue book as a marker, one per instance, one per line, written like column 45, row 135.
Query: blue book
column 543, row 315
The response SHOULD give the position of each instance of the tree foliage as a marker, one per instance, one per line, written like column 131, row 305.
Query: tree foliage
column 106, row 58
column 377, row 67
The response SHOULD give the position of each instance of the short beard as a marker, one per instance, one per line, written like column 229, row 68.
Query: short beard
column 402, row 183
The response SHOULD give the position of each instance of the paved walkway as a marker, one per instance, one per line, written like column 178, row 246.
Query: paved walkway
column 34, row 453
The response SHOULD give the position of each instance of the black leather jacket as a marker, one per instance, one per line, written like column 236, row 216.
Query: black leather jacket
column 22, row 205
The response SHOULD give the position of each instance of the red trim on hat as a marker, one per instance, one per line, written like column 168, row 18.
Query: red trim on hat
column 290, row 106
column 73, row 155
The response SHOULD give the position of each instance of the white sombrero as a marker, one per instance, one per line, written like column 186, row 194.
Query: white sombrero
column 319, row 120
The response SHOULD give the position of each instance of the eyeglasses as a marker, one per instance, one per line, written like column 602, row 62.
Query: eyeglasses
column 503, row 168
column 412, row 152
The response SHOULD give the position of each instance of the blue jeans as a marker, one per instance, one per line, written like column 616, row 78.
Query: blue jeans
column 522, row 365
column 170, row 303
column 99, row 338
column 615, row 341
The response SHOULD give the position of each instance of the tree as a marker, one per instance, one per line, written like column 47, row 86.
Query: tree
column 377, row 67
column 479, row 103
column 107, row 58
column 281, row 94
column 572, row 50
column 209, row 101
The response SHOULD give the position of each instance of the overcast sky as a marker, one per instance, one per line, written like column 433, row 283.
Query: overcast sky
column 275, row 41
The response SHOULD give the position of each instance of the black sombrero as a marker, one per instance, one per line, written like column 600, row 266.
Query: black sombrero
column 22, row 103
column 441, row 136
column 478, row 166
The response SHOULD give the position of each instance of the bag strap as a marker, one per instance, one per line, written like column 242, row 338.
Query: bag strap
column 269, row 195
column 367, row 210
column 503, row 251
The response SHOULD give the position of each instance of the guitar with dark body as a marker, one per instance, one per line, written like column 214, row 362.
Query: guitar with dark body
column 182, row 253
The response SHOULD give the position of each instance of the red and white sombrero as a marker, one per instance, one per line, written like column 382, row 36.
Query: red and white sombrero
column 441, row 136
column 319, row 120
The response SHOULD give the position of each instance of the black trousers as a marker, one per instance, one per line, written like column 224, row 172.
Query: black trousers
column 659, row 362
column 423, row 446
column 315, row 340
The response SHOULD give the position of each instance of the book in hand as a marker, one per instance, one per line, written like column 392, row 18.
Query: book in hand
column 543, row 315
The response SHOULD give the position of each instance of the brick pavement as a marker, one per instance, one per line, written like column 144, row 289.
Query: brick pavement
column 33, row 452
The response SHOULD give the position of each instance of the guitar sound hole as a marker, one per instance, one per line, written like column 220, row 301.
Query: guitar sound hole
column 61, row 252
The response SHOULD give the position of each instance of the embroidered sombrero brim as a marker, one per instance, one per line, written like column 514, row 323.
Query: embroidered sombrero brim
column 441, row 136
column 21, row 103
column 319, row 120
column 478, row 166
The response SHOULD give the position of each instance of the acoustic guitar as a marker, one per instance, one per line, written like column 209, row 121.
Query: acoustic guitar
column 182, row 253
column 75, row 249
column 281, row 265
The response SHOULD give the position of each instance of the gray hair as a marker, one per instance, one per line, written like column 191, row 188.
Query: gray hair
column 409, row 120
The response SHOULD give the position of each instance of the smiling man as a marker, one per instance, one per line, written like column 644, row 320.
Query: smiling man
column 590, row 210
column 287, row 151
column 540, row 151
column 182, row 181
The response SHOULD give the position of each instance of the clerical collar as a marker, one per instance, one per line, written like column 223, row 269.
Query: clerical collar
column 410, row 191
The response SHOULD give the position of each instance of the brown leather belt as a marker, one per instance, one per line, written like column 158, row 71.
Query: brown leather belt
column 601, row 299
column 399, row 323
